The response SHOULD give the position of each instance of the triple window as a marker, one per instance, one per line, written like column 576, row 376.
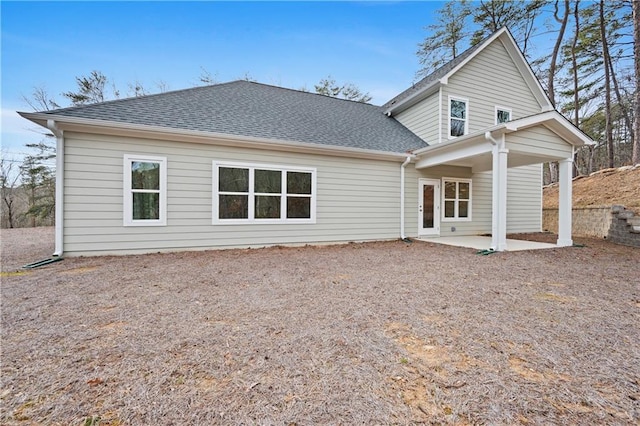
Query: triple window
column 456, row 197
column 263, row 194
column 145, row 191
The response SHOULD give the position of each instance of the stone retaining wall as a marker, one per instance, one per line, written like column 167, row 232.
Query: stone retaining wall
column 625, row 227
column 586, row 221
column 616, row 223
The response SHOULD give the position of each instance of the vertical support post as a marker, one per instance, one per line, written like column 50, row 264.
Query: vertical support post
column 564, row 202
column 499, row 196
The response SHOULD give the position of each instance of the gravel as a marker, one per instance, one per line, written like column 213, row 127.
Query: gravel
column 373, row 333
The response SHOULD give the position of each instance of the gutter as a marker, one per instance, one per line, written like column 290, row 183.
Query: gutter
column 87, row 125
column 402, row 167
column 59, row 207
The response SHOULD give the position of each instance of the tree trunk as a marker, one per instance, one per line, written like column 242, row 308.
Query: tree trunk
column 607, row 87
column 576, row 86
column 635, row 158
column 621, row 104
column 556, row 49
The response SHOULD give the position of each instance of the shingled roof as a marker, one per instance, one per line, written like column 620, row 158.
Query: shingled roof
column 245, row 108
column 434, row 76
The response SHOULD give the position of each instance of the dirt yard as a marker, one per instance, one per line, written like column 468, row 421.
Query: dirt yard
column 377, row 333
column 600, row 189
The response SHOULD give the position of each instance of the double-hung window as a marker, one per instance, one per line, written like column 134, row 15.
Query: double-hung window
column 145, row 191
column 502, row 115
column 458, row 117
column 456, row 198
column 257, row 193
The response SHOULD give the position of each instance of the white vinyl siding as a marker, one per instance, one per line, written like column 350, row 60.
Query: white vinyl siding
column 524, row 199
column 538, row 141
column 422, row 120
column 357, row 199
column 489, row 79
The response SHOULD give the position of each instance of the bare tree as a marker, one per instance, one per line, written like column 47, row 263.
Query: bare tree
column 91, row 89
column 607, row 85
column 348, row 91
column 635, row 159
column 9, row 178
column 447, row 37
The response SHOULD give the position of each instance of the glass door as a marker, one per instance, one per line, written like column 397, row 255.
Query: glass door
column 429, row 207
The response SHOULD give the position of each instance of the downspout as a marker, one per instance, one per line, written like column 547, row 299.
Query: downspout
column 402, row 167
column 488, row 136
column 59, row 239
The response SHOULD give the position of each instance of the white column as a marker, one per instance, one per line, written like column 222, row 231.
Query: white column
column 499, row 195
column 564, row 202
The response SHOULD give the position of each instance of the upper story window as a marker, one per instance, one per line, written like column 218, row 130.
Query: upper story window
column 145, row 191
column 502, row 115
column 458, row 117
column 456, row 197
column 263, row 194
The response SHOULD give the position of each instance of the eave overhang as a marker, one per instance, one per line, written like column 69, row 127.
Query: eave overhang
column 481, row 143
column 113, row 128
column 512, row 49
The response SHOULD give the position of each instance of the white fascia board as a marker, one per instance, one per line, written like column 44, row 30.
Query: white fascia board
column 425, row 91
column 555, row 122
column 454, row 153
column 525, row 70
column 461, row 140
column 113, row 128
column 414, row 98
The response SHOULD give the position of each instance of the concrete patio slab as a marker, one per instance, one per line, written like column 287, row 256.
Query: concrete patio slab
column 484, row 243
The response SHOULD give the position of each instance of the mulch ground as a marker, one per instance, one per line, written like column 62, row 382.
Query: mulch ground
column 374, row 333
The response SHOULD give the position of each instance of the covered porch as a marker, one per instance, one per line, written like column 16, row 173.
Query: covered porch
column 540, row 138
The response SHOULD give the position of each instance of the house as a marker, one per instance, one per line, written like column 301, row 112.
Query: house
column 243, row 164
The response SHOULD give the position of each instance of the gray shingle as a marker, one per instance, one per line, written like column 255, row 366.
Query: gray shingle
column 245, row 108
column 434, row 76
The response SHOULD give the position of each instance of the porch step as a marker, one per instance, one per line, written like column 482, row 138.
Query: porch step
column 634, row 221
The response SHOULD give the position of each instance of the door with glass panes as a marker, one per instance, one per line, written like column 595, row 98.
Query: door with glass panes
column 429, row 207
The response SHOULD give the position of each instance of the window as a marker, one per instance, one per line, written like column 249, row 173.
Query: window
column 458, row 123
column 263, row 194
column 502, row 115
column 145, row 191
column 456, row 196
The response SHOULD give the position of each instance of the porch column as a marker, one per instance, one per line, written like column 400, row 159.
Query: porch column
column 499, row 196
column 564, row 202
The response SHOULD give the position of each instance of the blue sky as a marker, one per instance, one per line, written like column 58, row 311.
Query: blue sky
column 291, row 44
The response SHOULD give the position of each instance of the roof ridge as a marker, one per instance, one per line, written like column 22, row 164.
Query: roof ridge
column 197, row 88
column 307, row 92
column 130, row 98
column 448, row 66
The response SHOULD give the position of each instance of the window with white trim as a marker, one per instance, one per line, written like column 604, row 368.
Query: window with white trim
column 145, row 191
column 456, row 199
column 258, row 193
column 502, row 115
column 458, row 117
